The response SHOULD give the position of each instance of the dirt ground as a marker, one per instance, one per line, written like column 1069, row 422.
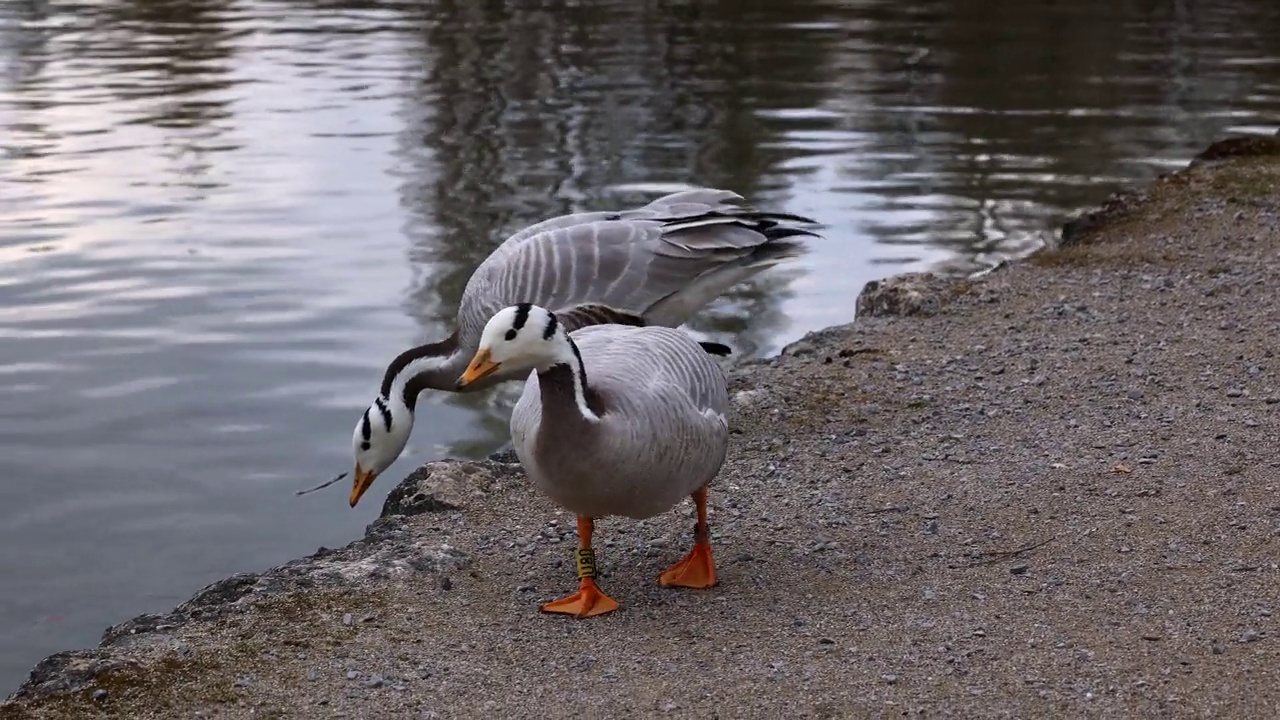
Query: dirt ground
column 1049, row 492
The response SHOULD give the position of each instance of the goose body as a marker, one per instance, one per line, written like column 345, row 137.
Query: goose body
column 660, row 431
column 613, row 420
column 654, row 265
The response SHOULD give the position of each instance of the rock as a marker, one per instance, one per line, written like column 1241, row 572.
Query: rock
column 69, row 672
column 1241, row 146
column 506, row 455
column 1117, row 206
column 99, row 695
column 443, row 485
column 905, row 295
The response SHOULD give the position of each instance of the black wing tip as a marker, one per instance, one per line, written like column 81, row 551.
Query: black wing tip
column 714, row 348
column 782, row 233
column 742, row 214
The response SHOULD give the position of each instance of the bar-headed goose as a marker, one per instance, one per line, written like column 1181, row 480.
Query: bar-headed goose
column 661, row 262
column 614, row 420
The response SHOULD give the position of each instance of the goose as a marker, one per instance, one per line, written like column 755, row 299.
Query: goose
column 661, row 263
column 614, row 420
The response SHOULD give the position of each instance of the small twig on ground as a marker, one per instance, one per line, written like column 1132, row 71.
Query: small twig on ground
column 321, row 486
column 992, row 558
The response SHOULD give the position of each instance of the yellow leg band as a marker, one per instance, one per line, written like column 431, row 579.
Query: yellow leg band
column 586, row 559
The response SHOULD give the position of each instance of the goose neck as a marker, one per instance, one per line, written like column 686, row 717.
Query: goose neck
column 565, row 391
column 431, row 366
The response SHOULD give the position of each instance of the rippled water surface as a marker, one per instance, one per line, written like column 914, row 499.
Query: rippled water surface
column 219, row 219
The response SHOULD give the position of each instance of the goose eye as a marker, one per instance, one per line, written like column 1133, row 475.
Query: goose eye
column 511, row 334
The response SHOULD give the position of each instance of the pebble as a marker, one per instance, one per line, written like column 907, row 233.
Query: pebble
column 347, row 619
column 889, row 678
column 1250, row 635
column 353, row 674
column 99, row 695
column 1019, row 569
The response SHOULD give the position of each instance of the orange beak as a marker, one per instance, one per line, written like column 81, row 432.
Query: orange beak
column 363, row 479
column 481, row 366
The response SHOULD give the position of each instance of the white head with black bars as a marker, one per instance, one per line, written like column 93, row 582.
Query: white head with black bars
column 380, row 436
column 383, row 430
column 520, row 337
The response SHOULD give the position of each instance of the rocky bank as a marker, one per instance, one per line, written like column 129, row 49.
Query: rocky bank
column 1047, row 492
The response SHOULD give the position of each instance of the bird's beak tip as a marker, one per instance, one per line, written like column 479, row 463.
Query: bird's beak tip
column 482, row 365
column 360, row 483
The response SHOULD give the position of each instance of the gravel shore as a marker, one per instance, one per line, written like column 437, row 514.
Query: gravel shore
column 1048, row 492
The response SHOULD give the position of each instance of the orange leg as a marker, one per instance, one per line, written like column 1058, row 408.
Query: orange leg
column 696, row 570
column 588, row 601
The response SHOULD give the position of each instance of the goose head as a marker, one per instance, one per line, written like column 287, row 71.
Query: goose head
column 517, row 338
column 380, row 436
column 383, row 429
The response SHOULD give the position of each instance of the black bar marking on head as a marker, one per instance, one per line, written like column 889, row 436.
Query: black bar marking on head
column 522, row 315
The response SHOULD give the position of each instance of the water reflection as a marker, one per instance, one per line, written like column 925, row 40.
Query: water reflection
column 219, row 219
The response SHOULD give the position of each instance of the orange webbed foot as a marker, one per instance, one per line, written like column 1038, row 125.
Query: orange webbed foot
column 696, row 570
column 589, row 601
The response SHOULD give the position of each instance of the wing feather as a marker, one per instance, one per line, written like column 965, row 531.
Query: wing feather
column 660, row 262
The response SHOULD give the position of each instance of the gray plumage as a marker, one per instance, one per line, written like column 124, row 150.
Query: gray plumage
column 661, row 262
column 661, row 431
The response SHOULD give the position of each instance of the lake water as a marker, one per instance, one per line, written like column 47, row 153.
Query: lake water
column 220, row 219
